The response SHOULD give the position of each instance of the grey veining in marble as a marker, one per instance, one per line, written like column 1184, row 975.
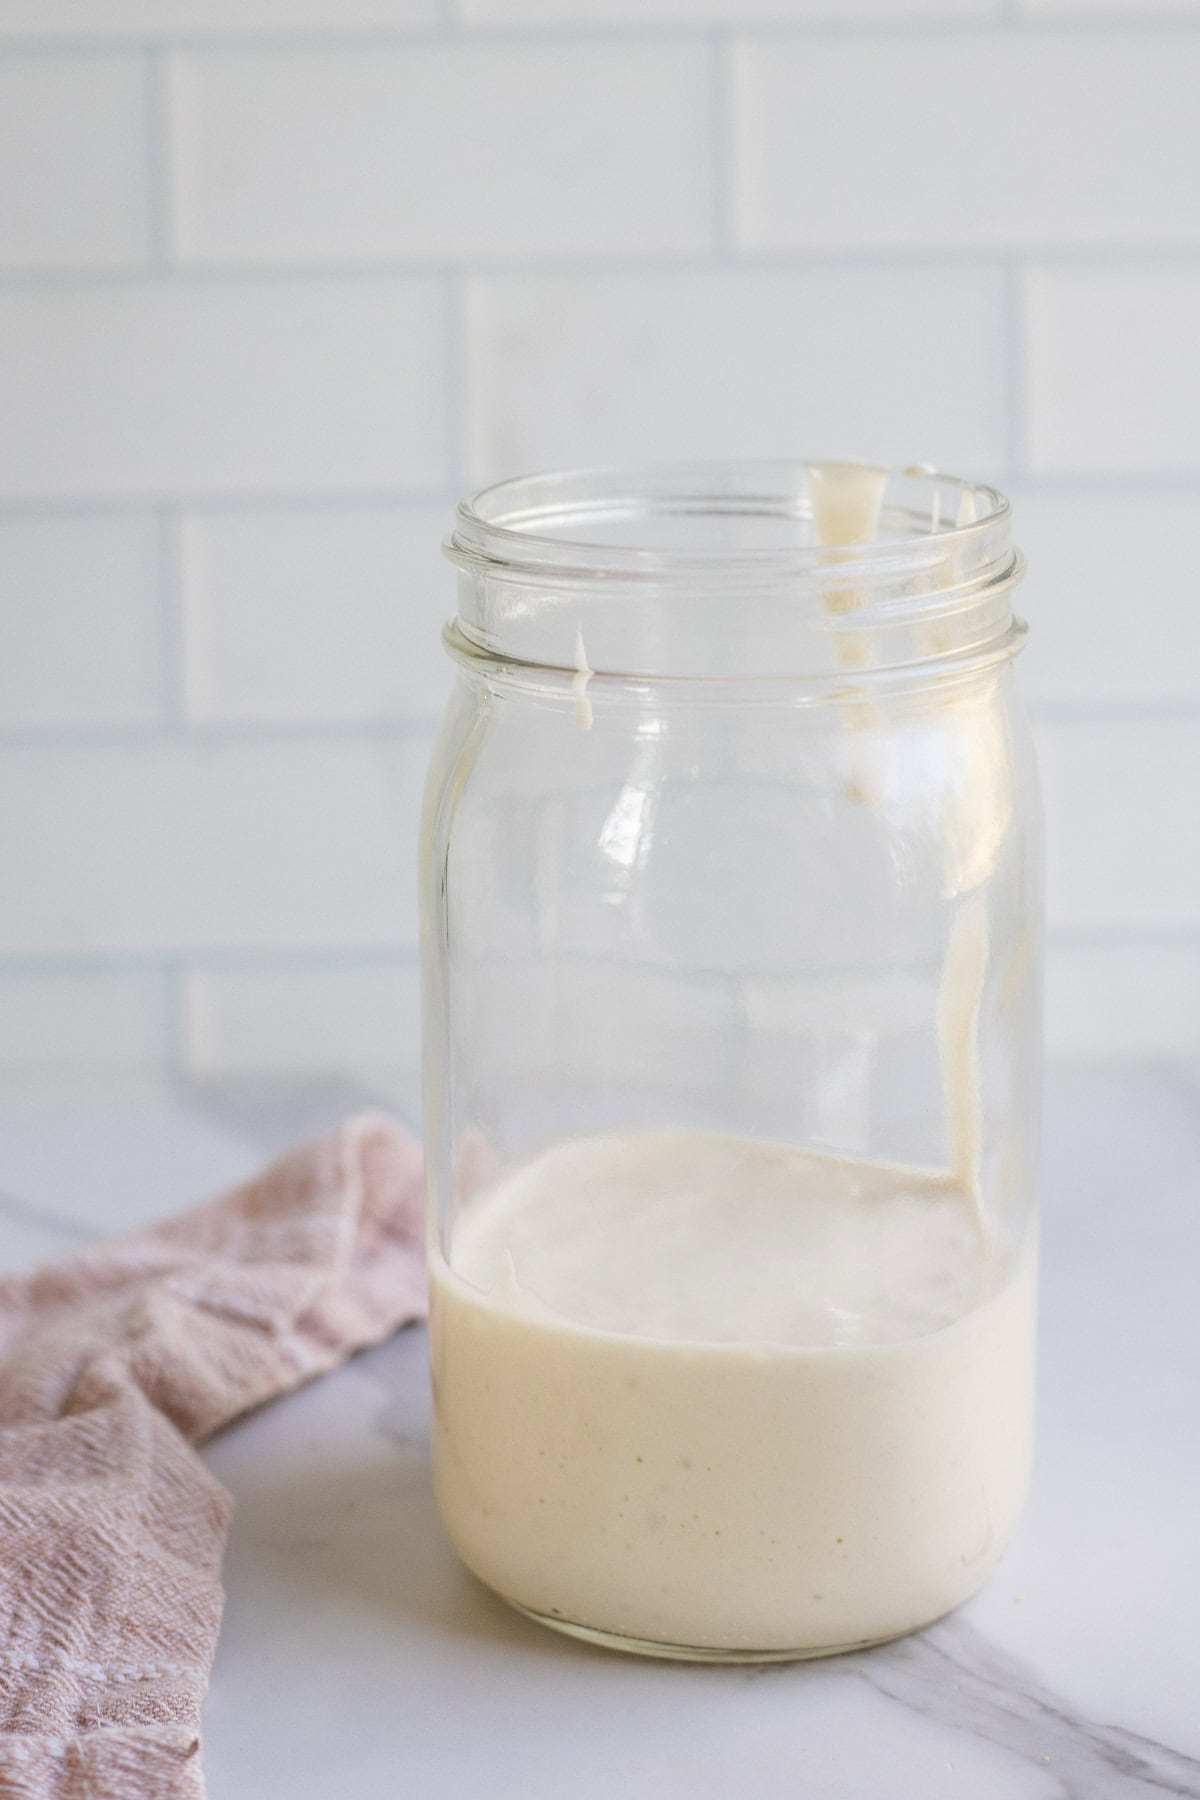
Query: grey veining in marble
column 951, row 1674
column 358, row 1659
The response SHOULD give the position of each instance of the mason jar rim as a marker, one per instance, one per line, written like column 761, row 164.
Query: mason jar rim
column 536, row 525
column 719, row 568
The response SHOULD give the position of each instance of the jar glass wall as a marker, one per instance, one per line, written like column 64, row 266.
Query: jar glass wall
column 731, row 897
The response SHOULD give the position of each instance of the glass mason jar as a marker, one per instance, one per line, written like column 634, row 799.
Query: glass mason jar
column 731, row 896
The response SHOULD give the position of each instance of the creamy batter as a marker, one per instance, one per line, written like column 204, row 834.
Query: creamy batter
column 728, row 1395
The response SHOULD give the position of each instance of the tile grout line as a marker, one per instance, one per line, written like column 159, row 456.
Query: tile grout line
column 73, row 506
column 1097, row 484
column 229, row 734
column 445, row 25
column 1111, row 715
column 224, row 958
column 405, row 956
column 1159, row 256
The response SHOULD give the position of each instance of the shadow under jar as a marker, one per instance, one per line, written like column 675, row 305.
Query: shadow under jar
column 731, row 897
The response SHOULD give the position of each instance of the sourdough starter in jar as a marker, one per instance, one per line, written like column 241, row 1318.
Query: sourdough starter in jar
column 702, row 1391
column 701, row 1386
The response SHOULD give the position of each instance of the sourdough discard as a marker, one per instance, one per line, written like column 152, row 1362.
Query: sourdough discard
column 715, row 1393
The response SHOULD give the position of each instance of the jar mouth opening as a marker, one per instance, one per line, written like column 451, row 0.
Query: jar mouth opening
column 748, row 522
column 718, row 569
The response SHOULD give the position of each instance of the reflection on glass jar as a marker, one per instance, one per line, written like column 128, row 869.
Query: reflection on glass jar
column 731, row 898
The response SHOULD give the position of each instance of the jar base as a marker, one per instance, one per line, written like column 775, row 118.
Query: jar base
column 696, row 1653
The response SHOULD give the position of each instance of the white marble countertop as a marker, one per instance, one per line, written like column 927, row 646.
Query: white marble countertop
column 357, row 1659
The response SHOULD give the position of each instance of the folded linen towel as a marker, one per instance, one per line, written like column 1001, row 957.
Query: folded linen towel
column 111, row 1365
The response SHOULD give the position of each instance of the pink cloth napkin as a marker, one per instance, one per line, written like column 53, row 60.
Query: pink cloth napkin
column 111, row 1365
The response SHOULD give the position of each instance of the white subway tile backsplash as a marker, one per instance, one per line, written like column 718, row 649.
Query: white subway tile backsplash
column 1113, row 369
column 86, row 1021
column 889, row 364
column 165, row 18
column 1111, row 597
column 500, row 13
column 304, row 1019
column 1119, row 1000
column 211, row 845
column 1121, row 823
column 227, row 443
column 220, row 387
column 73, row 161
column 80, row 603
column 845, row 142
column 375, row 153
column 327, row 614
